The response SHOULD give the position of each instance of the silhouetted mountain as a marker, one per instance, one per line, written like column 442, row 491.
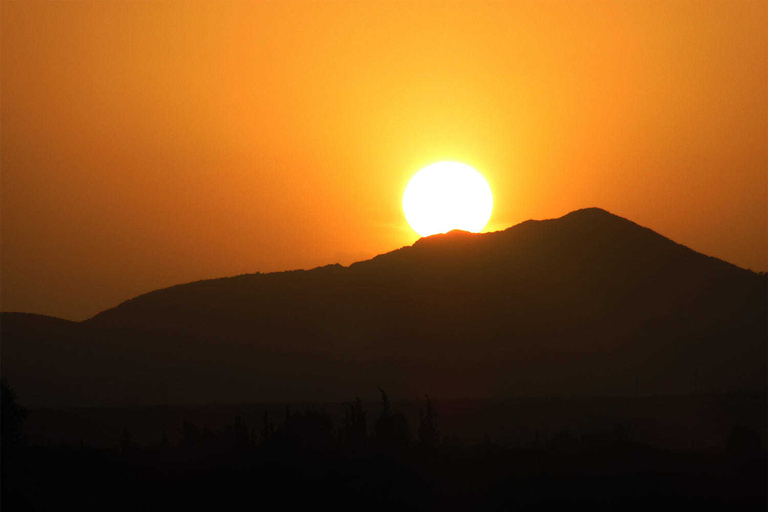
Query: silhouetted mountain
column 589, row 303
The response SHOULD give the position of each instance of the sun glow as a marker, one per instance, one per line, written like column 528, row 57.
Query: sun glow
column 446, row 196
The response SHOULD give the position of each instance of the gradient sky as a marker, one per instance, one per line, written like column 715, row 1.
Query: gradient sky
column 148, row 144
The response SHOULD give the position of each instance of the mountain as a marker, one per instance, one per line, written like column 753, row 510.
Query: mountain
column 587, row 304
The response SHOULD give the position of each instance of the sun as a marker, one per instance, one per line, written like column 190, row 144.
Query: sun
column 446, row 196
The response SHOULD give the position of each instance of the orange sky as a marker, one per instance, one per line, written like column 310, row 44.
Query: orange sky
column 153, row 143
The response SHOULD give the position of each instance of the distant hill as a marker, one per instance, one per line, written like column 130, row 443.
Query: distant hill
column 587, row 304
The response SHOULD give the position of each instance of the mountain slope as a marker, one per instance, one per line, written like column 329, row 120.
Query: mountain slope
column 590, row 303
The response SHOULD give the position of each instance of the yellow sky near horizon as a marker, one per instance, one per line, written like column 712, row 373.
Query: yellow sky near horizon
column 146, row 144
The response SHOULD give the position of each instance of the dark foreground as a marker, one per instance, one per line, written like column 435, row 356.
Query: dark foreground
column 375, row 458
column 482, row 477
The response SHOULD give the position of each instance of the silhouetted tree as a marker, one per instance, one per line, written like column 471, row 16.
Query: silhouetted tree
column 384, row 422
column 12, row 417
column 307, row 431
column 165, row 442
column 428, row 433
column 562, row 441
column 268, row 429
column 354, row 424
column 190, row 436
column 208, row 440
column 240, row 433
column 126, row 444
column 391, row 428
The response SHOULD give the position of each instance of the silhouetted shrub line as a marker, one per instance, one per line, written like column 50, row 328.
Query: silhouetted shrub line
column 308, row 460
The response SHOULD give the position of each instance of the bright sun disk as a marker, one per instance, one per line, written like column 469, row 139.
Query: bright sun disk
column 446, row 196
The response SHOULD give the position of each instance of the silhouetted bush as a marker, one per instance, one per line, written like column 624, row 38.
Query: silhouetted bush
column 391, row 431
column 354, row 426
column 307, row 431
column 191, row 437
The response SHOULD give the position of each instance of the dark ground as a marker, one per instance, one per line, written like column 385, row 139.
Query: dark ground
column 705, row 452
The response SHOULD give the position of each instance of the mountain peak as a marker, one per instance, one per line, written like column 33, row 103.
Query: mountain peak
column 593, row 214
column 587, row 215
column 601, row 223
column 591, row 210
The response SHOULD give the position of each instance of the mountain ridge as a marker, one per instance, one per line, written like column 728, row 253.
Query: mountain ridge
column 455, row 236
column 589, row 303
